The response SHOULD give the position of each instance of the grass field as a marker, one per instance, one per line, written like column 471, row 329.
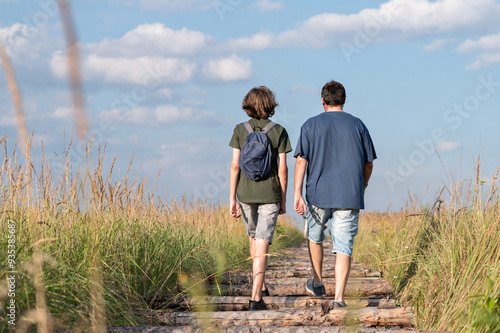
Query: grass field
column 442, row 258
column 90, row 247
column 90, row 250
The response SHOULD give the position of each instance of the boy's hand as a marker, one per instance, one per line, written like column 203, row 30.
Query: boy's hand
column 282, row 208
column 234, row 208
column 299, row 205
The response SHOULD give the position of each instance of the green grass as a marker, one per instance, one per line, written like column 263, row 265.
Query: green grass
column 80, row 269
column 439, row 261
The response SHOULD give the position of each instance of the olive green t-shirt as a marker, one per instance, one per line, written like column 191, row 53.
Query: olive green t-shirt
column 267, row 190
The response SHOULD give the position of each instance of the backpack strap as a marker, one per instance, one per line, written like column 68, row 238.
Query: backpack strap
column 268, row 127
column 248, row 127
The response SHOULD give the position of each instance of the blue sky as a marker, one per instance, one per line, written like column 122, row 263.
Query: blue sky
column 164, row 79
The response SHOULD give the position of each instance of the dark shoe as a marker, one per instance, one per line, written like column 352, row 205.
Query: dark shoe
column 339, row 304
column 254, row 305
column 325, row 307
column 315, row 290
column 265, row 292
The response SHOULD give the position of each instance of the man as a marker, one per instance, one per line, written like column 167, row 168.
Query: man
column 337, row 153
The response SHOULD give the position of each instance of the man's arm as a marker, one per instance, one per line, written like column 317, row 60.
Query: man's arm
column 283, row 177
column 299, row 203
column 234, row 175
column 367, row 171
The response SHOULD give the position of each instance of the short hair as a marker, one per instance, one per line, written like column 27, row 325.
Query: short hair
column 333, row 93
column 259, row 103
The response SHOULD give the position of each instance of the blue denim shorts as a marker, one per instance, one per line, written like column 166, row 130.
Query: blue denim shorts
column 344, row 226
column 260, row 219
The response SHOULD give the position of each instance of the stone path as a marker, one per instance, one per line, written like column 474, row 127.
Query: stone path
column 370, row 305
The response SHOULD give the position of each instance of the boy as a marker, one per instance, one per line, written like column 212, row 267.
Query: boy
column 260, row 200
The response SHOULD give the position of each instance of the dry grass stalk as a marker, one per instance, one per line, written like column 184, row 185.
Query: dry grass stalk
column 42, row 315
column 493, row 188
column 74, row 69
column 16, row 96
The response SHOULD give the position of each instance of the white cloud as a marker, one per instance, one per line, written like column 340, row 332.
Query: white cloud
column 152, row 40
column 61, row 113
column 437, row 45
column 447, row 146
column 7, row 121
column 228, row 69
column 176, row 5
column 268, row 5
column 165, row 93
column 23, row 42
column 134, row 138
column 258, row 41
column 137, row 71
column 485, row 43
column 393, row 20
column 305, row 89
column 164, row 114
column 173, row 114
column 488, row 45
column 484, row 60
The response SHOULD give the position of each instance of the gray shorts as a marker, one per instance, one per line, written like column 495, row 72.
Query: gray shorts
column 260, row 219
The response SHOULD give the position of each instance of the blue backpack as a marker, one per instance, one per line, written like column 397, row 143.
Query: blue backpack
column 255, row 156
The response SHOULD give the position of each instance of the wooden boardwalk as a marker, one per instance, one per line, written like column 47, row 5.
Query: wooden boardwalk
column 370, row 305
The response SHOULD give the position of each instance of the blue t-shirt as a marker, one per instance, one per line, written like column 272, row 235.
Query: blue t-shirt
column 336, row 145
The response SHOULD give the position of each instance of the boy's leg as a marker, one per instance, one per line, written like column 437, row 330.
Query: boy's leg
column 259, row 268
column 250, row 216
column 345, row 228
column 252, row 245
column 267, row 217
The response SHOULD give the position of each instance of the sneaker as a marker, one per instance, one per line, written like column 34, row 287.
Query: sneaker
column 339, row 304
column 254, row 305
column 265, row 292
column 315, row 290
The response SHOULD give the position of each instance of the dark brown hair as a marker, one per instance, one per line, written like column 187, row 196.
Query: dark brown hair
column 333, row 93
column 259, row 103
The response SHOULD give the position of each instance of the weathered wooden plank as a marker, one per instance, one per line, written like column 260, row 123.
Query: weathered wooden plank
column 293, row 317
column 299, row 280
column 354, row 287
column 263, row 329
column 240, row 303
column 287, row 262
column 300, row 272
column 327, row 273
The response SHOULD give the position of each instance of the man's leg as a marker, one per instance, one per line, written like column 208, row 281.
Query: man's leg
column 345, row 228
column 261, row 247
column 342, row 269
column 316, row 258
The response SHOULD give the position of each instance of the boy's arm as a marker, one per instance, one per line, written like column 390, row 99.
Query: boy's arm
column 299, row 203
column 283, row 177
column 234, row 174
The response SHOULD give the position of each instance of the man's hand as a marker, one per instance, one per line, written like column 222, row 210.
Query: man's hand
column 234, row 208
column 300, row 169
column 299, row 205
column 282, row 207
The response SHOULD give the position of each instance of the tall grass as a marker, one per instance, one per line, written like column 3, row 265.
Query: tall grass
column 92, row 249
column 443, row 258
